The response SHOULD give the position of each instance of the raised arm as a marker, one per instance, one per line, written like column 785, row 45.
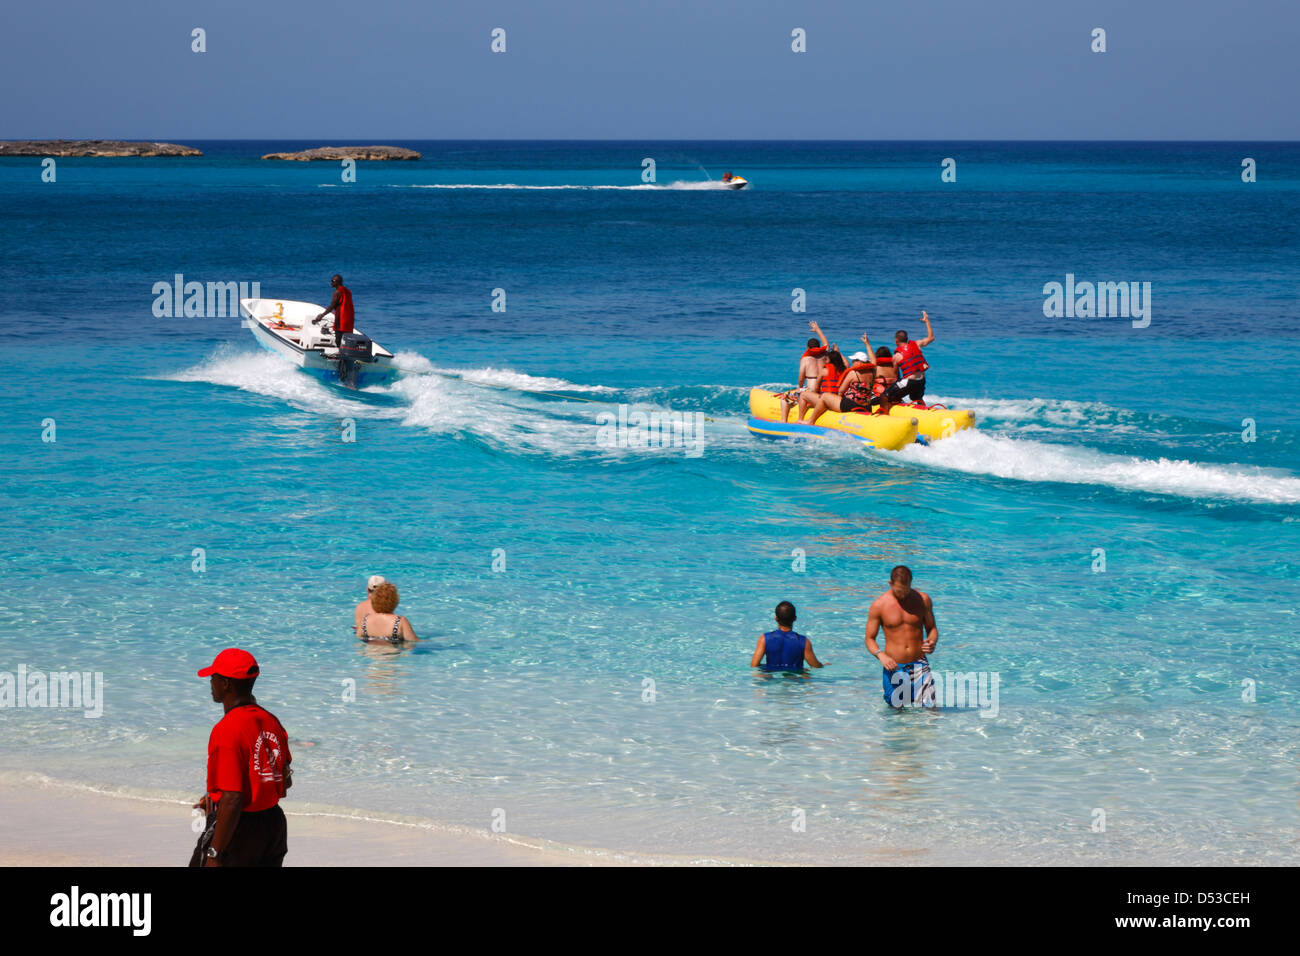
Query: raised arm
column 759, row 651
column 871, row 353
column 818, row 329
column 929, row 332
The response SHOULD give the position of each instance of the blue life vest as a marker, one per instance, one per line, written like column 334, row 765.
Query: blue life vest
column 784, row 650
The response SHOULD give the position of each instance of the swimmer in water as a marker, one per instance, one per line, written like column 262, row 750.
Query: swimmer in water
column 910, row 634
column 784, row 649
column 383, row 626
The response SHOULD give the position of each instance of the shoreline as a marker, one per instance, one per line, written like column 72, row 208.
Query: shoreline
column 120, row 827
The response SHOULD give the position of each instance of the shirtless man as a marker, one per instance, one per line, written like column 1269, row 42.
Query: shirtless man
column 810, row 370
column 853, row 391
column 910, row 633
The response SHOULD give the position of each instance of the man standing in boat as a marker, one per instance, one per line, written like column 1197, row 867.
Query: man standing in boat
column 341, row 306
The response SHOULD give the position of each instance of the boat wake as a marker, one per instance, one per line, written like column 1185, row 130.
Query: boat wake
column 1002, row 456
column 444, row 401
column 264, row 373
column 454, row 402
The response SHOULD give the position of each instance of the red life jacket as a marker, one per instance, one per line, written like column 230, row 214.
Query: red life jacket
column 909, row 359
column 817, row 352
column 831, row 378
column 344, row 315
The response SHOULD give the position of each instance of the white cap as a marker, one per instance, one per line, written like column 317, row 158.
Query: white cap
column 375, row 581
column 859, row 357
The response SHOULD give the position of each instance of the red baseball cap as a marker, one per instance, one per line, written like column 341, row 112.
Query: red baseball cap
column 233, row 663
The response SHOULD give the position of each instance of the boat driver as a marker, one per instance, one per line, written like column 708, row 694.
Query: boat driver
column 341, row 306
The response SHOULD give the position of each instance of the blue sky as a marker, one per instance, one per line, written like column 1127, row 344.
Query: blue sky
column 579, row 69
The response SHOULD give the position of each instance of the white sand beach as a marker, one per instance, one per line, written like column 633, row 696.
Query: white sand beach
column 48, row 822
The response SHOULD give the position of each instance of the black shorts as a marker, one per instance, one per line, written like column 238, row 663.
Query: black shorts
column 261, row 839
column 849, row 405
column 913, row 391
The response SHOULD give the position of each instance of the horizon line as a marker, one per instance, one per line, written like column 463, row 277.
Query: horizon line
column 503, row 139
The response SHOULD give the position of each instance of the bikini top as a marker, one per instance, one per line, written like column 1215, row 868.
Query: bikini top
column 394, row 638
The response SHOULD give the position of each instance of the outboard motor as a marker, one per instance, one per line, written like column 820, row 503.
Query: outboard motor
column 354, row 348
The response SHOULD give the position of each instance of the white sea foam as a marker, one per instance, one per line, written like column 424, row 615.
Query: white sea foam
column 264, row 373
column 1001, row 456
column 450, row 402
column 507, row 378
column 456, row 402
column 1052, row 410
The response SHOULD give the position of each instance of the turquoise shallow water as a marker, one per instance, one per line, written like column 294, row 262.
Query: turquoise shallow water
column 1120, row 690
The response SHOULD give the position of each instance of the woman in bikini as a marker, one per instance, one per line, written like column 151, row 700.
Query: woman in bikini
column 383, row 626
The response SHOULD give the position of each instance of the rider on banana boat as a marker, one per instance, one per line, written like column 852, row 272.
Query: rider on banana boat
column 886, row 376
column 852, row 393
column 911, row 365
column 811, row 364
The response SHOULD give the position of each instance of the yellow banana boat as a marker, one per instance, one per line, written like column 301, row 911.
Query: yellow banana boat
column 935, row 423
column 902, row 426
column 879, row 431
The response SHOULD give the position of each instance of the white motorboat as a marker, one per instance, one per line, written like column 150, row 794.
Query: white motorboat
column 285, row 327
column 732, row 181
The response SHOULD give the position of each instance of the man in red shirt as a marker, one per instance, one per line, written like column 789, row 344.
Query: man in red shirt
column 341, row 306
column 248, row 773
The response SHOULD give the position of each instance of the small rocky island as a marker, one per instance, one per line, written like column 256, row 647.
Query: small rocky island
column 348, row 152
column 91, row 147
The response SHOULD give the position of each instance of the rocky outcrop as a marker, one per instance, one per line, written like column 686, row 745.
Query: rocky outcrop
column 348, row 152
column 91, row 147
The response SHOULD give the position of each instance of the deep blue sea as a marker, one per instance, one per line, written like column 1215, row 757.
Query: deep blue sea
column 1118, row 541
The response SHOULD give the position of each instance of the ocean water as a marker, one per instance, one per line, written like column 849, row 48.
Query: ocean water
column 1117, row 541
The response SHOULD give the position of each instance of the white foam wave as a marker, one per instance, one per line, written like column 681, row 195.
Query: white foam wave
column 1052, row 410
column 507, row 378
column 504, row 417
column 265, row 373
column 981, row 453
